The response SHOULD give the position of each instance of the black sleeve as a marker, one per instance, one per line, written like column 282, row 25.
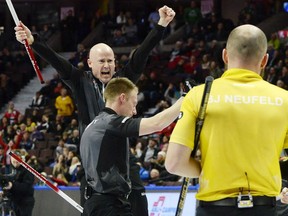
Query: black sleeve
column 137, row 62
column 63, row 66
column 23, row 184
column 124, row 126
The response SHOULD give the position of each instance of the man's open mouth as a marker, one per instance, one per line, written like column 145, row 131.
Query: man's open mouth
column 105, row 73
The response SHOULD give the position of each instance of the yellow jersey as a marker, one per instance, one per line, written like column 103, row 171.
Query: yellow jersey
column 244, row 132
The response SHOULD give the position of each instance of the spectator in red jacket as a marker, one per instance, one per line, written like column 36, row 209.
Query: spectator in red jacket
column 12, row 114
column 8, row 147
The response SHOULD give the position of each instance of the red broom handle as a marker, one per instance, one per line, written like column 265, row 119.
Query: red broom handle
column 47, row 182
column 28, row 48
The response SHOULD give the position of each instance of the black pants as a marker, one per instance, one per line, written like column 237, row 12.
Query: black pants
column 137, row 199
column 107, row 205
column 234, row 211
column 139, row 203
column 24, row 208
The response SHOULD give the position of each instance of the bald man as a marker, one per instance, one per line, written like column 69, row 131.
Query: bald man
column 88, row 86
column 244, row 132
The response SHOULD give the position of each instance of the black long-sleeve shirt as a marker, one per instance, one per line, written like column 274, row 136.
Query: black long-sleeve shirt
column 22, row 188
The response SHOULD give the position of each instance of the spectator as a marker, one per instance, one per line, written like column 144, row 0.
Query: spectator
column 71, row 126
column 274, row 41
column 82, row 27
column 149, row 153
column 8, row 147
column 44, row 126
column 4, row 123
column 272, row 76
column 46, row 32
column 192, row 15
column 60, row 166
column 11, row 113
column 158, row 162
column 154, row 175
column 220, row 34
column 170, row 93
column 60, row 180
column 153, row 18
column 37, row 135
column 138, row 150
column 68, row 30
column 2, row 160
column 21, row 189
column 214, row 69
column 26, row 142
column 79, row 59
column 64, row 105
column 35, row 164
column 69, row 158
column 284, row 75
column 96, row 19
column 164, row 140
column 73, row 169
column 57, row 89
column 109, row 23
column 58, row 128
column 174, row 53
column 247, row 13
column 9, row 133
column 60, row 147
column 30, row 125
column 130, row 31
column 38, row 101
column 121, row 18
column 191, row 66
column 118, row 38
column 281, row 84
column 74, row 138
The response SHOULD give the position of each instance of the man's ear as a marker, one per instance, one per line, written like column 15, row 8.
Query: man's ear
column 89, row 63
column 224, row 56
column 264, row 61
column 122, row 97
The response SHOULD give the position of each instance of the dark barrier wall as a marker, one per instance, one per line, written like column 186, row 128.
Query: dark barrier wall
column 49, row 203
column 161, row 199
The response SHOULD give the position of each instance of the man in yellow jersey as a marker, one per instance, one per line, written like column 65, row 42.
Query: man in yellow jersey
column 244, row 132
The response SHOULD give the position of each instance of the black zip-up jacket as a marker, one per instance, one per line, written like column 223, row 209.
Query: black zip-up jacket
column 22, row 191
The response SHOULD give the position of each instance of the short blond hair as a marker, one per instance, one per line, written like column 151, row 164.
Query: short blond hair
column 117, row 86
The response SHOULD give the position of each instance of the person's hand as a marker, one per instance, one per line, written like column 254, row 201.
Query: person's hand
column 9, row 186
column 188, row 85
column 166, row 15
column 170, row 86
column 284, row 195
column 18, row 132
column 22, row 32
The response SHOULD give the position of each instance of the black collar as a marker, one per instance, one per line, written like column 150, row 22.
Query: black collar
column 109, row 110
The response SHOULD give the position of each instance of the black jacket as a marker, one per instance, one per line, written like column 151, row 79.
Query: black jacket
column 88, row 100
column 22, row 189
